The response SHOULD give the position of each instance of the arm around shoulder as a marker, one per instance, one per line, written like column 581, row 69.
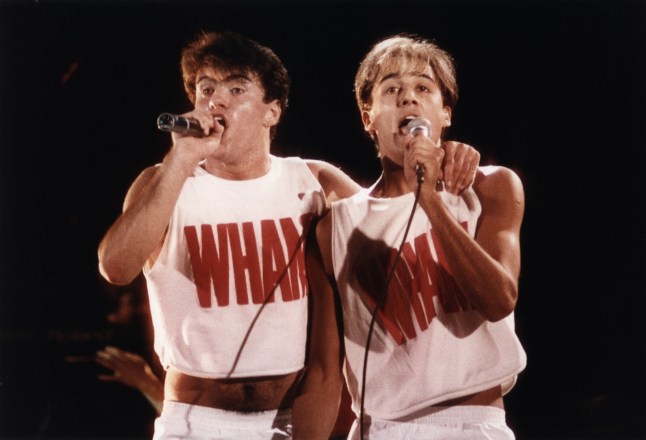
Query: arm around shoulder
column 336, row 184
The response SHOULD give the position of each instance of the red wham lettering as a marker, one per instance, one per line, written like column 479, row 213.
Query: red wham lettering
column 281, row 265
column 416, row 281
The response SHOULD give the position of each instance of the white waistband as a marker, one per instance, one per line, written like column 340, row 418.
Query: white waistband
column 204, row 415
column 459, row 414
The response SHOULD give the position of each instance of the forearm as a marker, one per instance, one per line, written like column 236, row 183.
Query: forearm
column 487, row 284
column 316, row 408
column 132, row 370
column 153, row 390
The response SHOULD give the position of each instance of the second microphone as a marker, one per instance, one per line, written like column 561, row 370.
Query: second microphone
column 179, row 124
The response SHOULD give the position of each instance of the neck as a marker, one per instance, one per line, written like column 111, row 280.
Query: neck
column 254, row 166
column 392, row 182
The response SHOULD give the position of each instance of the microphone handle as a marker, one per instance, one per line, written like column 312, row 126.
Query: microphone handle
column 179, row 124
column 416, row 130
column 420, row 174
column 419, row 169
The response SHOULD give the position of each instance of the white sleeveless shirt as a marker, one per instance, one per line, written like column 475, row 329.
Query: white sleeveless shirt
column 228, row 292
column 428, row 344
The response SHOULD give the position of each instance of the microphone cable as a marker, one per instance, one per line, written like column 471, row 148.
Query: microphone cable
column 420, row 180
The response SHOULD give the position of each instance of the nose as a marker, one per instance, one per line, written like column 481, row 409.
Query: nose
column 218, row 98
column 407, row 96
column 216, row 102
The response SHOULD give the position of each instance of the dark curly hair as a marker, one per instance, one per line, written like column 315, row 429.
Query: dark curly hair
column 231, row 51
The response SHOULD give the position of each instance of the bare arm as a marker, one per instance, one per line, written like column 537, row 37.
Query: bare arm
column 336, row 184
column 458, row 171
column 487, row 267
column 137, row 235
column 138, row 232
column 315, row 409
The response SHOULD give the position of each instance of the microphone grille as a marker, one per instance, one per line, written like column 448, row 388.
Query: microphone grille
column 419, row 124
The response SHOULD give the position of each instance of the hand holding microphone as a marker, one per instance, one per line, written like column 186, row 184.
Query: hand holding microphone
column 179, row 124
column 419, row 127
column 197, row 134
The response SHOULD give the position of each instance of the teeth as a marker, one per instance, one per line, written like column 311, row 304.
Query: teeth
column 406, row 120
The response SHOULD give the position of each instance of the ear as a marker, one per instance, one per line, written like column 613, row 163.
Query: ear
column 367, row 122
column 273, row 114
column 447, row 117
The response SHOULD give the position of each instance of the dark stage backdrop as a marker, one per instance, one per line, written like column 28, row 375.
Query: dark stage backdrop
column 555, row 90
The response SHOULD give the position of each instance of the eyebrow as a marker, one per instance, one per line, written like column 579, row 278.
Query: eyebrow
column 397, row 75
column 232, row 77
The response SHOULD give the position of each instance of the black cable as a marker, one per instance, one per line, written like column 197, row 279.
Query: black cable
column 420, row 180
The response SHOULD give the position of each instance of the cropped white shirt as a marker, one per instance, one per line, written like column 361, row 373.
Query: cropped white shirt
column 428, row 344
column 228, row 292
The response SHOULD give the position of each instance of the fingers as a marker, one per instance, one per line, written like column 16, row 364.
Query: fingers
column 116, row 359
column 114, row 355
column 128, row 368
column 106, row 357
column 460, row 166
column 423, row 152
column 211, row 125
column 449, row 165
column 469, row 168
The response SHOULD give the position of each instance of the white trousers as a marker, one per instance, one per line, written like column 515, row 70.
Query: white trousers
column 191, row 422
column 455, row 423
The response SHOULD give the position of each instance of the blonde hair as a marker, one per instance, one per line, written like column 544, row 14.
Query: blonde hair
column 405, row 54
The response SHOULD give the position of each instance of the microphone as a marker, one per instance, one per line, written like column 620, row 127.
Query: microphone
column 179, row 124
column 417, row 127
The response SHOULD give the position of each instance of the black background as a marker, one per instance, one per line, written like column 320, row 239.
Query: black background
column 555, row 90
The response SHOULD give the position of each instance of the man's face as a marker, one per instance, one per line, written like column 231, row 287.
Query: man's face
column 236, row 101
column 397, row 98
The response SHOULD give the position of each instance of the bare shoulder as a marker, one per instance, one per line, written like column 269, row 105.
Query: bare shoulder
column 148, row 173
column 335, row 182
column 498, row 182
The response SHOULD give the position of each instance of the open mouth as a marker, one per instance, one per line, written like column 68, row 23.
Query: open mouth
column 220, row 120
column 403, row 124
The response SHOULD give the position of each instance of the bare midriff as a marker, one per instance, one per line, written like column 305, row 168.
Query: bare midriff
column 243, row 395
column 490, row 397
